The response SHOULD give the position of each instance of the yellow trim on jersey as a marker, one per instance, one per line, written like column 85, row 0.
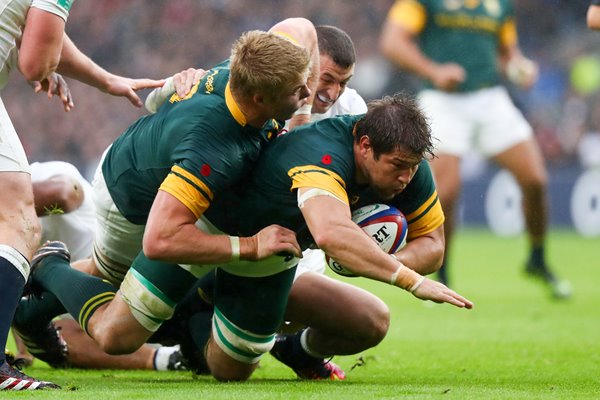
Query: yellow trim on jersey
column 188, row 189
column 426, row 218
column 508, row 34
column 233, row 107
column 287, row 36
column 321, row 178
column 409, row 14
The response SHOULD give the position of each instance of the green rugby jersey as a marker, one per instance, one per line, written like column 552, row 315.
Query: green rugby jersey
column 466, row 32
column 318, row 155
column 193, row 147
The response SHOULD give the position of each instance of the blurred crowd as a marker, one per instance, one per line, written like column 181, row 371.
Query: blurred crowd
column 141, row 38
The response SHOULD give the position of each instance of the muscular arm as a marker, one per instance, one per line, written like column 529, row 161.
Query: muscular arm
column 58, row 192
column 398, row 45
column 304, row 33
column 172, row 236
column 331, row 225
column 41, row 44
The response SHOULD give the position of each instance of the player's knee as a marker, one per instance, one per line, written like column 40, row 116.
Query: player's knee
column 532, row 181
column 113, row 340
column 378, row 324
column 227, row 375
column 225, row 368
column 113, row 345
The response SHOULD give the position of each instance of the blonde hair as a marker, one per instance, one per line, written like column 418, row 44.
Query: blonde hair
column 266, row 63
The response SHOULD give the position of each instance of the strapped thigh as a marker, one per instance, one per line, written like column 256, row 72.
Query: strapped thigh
column 152, row 289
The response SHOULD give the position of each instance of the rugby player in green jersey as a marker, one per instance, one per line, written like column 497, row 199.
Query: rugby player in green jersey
column 159, row 178
column 308, row 180
column 456, row 46
column 342, row 318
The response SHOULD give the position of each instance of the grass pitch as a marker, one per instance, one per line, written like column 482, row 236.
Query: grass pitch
column 517, row 343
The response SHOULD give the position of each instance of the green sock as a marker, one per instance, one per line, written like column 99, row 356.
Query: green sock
column 537, row 255
column 81, row 294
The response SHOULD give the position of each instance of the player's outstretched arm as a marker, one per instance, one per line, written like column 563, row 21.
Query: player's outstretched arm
column 75, row 64
column 330, row 223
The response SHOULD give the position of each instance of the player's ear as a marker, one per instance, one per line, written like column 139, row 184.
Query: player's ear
column 259, row 98
column 364, row 144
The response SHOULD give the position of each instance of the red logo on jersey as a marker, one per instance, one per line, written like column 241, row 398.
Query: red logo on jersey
column 205, row 170
column 326, row 159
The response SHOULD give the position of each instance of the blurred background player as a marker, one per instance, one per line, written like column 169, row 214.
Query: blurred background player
column 34, row 42
column 593, row 15
column 63, row 203
column 455, row 47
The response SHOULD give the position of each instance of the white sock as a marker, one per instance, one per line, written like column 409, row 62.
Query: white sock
column 161, row 357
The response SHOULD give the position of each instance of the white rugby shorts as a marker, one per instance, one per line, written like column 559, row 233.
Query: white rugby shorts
column 485, row 120
column 12, row 154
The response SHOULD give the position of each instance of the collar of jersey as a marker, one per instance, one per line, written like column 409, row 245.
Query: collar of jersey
column 233, row 107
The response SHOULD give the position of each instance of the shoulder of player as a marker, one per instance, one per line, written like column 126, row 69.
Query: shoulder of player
column 352, row 102
column 45, row 170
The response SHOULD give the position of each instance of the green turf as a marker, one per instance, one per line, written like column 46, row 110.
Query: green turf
column 517, row 343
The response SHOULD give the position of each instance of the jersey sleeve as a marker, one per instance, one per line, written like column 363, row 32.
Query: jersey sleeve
column 188, row 189
column 312, row 176
column 426, row 218
column 57, row 7
column 508, row 33
column 410, row 14
column 356, row 104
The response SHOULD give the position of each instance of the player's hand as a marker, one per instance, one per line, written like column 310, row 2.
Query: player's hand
column 273, row 239
column 299, row 119
column 522, row 71
column 55, row 85
column 186, row 79
column 448, row 77
column 440, row 293
column 126, row 87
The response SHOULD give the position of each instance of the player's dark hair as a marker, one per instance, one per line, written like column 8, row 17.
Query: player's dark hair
column 336, row 43
column 395, row 122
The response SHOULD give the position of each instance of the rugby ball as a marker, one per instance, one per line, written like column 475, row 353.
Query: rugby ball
column 385, row 224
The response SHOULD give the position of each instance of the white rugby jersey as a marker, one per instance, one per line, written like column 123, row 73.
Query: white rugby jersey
column 350, row 102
